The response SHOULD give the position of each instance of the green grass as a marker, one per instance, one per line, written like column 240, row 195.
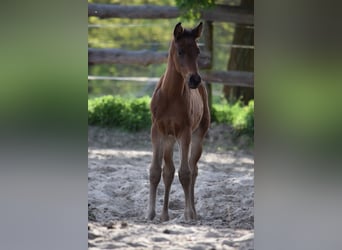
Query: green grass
column 134, row 114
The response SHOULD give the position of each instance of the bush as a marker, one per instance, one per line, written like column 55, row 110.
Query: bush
column 134, row 114
column 138, row 114
column 115, row 111
column 240, row 117
column 221, row 113
column 243, row 122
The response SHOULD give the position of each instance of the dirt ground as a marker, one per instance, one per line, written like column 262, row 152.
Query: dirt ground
column 118, row 187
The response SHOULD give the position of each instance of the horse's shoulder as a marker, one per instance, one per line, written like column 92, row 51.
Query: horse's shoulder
column 156, row 99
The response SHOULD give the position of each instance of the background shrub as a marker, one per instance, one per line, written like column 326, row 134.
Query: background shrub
column 240, row 117
column 115, row 111
column 134, row 114
column 243, row 121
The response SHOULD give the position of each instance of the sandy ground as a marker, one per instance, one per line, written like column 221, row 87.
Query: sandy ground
column 118, row 189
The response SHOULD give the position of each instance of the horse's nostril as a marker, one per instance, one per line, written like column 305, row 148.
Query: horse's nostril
column 195, row 79
column 199, row 79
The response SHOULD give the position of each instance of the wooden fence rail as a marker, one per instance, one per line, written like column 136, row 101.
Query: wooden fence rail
column 119, row 56
column 140, row 57
column 231, row 78
column 221, row 13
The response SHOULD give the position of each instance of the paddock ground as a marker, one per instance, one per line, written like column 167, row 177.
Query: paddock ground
column 118, row 188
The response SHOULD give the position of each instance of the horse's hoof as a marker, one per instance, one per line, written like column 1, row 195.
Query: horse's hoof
column 194, row 216
column 151, row 215
column 164, row 217
column 190, row 216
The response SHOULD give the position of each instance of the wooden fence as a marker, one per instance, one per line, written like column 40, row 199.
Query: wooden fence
column 220, row 13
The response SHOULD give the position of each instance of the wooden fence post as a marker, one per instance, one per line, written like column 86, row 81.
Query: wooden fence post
column 208, row 49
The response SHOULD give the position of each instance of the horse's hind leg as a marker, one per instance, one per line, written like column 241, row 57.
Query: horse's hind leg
column 168, row 174
column 155, row 170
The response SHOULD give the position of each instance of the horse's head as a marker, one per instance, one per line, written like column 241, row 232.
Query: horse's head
column 185, row 53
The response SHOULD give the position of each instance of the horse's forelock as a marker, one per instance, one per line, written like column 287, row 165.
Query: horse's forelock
column 186, row 34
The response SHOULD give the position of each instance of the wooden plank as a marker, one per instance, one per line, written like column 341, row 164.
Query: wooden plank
column 221, row 13
column 118, row 56
column 231, row 78
column 132, row 11
column 226, row 13
column 141, row 57
column 152, row 80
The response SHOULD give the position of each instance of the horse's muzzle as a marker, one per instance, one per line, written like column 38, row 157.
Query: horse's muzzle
column 194, row 81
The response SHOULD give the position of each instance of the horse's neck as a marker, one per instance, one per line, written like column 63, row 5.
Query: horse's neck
column 173, row 82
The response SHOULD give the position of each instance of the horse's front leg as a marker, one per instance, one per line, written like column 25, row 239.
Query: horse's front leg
column 155, row 170
column 168, row 174
column 195, row 155
column 185, row 174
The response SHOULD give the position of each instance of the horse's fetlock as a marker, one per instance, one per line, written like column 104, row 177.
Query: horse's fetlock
column 151, row 215
column 195, row 173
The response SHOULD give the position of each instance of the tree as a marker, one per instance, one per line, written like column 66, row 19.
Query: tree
column 241, row 58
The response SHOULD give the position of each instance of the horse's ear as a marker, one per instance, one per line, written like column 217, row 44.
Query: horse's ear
column 178, row 31
column 196, row 32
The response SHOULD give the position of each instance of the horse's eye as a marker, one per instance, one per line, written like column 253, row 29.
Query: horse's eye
column 180, row 52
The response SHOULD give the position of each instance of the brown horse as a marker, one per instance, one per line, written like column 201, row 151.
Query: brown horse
column 180, row 113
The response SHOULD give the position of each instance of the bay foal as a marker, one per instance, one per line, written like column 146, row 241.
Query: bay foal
column 180, row 113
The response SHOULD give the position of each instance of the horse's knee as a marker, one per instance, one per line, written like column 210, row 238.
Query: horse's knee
column 168, row 170
column 155, row 175
column 184, row 176
column 168, row 173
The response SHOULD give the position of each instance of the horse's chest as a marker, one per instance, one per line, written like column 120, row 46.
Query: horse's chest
column 172, row 116
column 196, row 106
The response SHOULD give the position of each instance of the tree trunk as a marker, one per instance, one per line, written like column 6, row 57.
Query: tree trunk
column 241, row 58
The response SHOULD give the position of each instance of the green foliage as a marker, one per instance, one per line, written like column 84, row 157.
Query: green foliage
column 134, row 114
column 191, row 8
column 115, row 111
column 240, row 117
column 243, row 122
